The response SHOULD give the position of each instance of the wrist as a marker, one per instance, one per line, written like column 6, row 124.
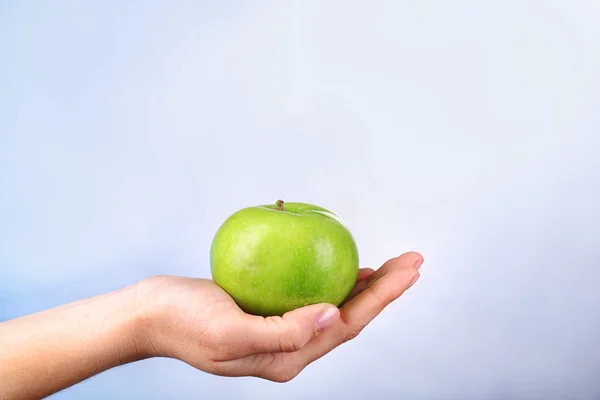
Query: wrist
column 125, row 327
column 147, row 319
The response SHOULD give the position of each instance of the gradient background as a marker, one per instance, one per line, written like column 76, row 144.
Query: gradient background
column 466, row 130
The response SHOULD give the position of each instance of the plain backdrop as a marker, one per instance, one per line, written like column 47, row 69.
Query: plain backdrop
column 466, row 130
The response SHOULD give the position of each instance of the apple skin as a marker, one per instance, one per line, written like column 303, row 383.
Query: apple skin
column 275, row 258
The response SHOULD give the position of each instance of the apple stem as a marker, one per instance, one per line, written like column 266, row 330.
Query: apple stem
column 279, row 205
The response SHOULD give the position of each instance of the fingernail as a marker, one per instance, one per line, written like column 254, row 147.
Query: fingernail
column 326, row 318
column 414, row 279
column 418, row 263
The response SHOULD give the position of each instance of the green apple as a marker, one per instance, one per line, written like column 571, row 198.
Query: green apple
column 275, row 258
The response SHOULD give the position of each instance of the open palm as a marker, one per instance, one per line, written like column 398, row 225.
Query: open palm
column 197, row 322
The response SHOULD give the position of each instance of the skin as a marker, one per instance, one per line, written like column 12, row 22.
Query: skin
column 189, row 319
column 305, row 253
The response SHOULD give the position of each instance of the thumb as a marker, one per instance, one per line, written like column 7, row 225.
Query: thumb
column 291, row 331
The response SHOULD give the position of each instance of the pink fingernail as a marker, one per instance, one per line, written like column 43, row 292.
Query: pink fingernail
column 418, row 263
column 414, row 279
column 326, row 318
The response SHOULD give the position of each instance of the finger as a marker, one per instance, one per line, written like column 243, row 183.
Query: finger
column 369, row 278
column 287, row 333
column 364, row 273
column 363, row 308
column 385, row 285
column 358, row 288
column 361, row 283
column 412, row 258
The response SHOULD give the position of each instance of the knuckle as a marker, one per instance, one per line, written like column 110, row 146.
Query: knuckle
column 290, row 339
column 379, row 300
column 353, row 333
column 216, row 368
column 286, row 374
column 281, row 369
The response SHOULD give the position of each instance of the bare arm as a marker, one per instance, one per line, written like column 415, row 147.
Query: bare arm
column 45, row 352
column 192, row 320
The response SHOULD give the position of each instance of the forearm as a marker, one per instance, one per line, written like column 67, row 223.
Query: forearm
column 45, row 352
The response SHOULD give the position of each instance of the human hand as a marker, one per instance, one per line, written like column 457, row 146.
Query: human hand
column 197, row 322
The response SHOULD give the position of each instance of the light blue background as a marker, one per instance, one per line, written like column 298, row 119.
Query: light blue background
column 467, row 130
